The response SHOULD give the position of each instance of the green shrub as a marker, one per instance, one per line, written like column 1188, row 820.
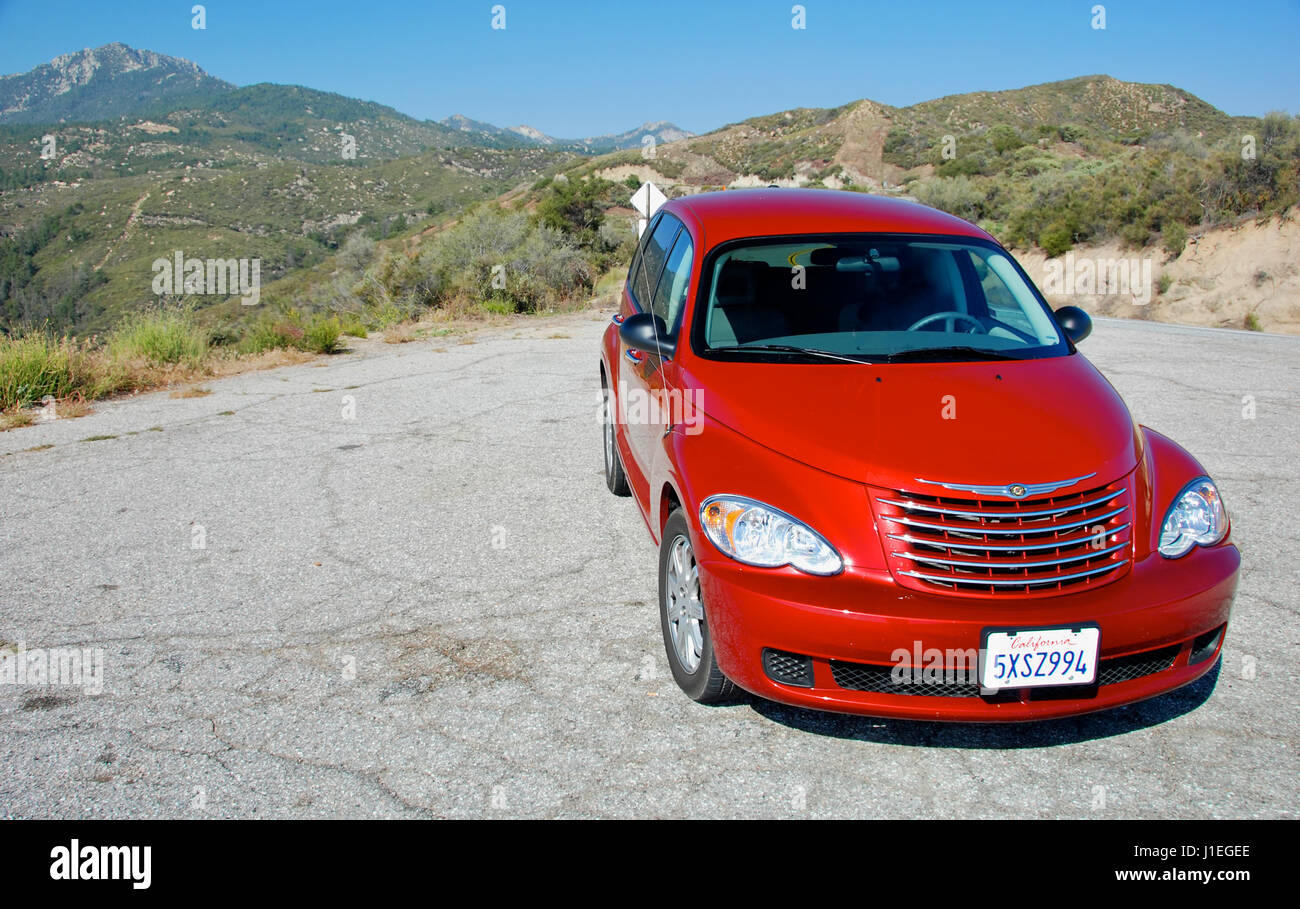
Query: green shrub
column 1056, row 239
column 261, row 336
column 905, row 149
column 960, row 196
column 493, row 254
column 319, row 333
column 322, row 335
column 33, row 366
column 577, row 206
column 162, row 335
column 353, row 325
column 1004, row 139
column 1135, row 235
column 357, row 252
column 1174, row 236
column 964, row 165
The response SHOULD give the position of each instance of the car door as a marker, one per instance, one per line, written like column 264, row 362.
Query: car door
column 640, row 378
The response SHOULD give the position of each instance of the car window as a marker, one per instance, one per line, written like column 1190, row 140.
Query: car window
column 1001, row 304
column 873, row 296
column 632, row 272
column 671, row 292
column 653, row 254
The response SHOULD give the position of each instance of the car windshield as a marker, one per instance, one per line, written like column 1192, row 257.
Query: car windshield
column 873, row 298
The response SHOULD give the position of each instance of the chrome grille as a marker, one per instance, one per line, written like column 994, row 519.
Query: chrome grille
column 998, row 547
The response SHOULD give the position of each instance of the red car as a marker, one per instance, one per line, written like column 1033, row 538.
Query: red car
column 883, row 481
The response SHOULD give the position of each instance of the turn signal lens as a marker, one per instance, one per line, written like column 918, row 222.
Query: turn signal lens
column 757, row 534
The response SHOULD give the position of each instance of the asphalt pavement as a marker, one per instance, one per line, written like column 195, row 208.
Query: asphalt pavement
column 392, row 583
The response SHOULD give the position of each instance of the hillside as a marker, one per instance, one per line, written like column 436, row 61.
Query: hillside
column 1233, row 276
column 287, row 175
column 92, row 241
column 1082, row 162
column 868, row 145
column 278, row 173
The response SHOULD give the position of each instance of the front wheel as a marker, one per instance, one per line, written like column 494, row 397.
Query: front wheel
column 681, row 613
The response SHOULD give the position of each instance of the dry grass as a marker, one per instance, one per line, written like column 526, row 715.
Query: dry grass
column 12, row 419
column 75, row 372
column 404, row 333
column 231, row 365
column 73, row 408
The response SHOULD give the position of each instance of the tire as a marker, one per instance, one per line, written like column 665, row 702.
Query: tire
column 615, row 477
column 681, row 614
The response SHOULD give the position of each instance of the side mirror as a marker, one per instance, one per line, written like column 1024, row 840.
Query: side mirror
column 1074, row 322
column 646, row 331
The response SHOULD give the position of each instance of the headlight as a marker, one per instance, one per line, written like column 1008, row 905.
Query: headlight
column 759, row 534
column 1197, row 518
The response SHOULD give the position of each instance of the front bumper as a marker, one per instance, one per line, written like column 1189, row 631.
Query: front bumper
column 1159, row 609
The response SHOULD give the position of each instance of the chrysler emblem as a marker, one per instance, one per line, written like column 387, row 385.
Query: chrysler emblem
column 1011, row 490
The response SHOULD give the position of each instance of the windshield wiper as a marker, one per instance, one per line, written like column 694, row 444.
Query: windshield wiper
column 791, row 349
column 941, row 353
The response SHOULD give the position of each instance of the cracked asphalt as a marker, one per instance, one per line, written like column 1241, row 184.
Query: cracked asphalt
column 391, row 583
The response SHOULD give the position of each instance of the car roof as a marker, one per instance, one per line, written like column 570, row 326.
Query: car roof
column 738, row 213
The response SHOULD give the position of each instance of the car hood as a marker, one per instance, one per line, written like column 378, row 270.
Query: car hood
column 994, row 423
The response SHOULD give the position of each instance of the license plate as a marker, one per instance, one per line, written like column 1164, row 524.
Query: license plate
column 1037, row 657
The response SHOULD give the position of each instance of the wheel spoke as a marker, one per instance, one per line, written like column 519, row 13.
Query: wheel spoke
column 693, row 608
column 685, row 651
column 695, row 642
column 674, row 608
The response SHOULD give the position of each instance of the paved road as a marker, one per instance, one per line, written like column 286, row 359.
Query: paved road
column 435, row 608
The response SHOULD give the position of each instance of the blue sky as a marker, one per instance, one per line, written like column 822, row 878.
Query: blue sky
column 583, row 68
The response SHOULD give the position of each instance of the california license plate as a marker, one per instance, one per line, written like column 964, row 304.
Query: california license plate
column 1037, row 657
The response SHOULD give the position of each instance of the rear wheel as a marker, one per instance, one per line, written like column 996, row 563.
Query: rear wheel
column 681, row 613
column 615, row 478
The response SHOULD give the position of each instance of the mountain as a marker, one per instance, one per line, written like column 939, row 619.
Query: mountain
column 115, row 81
column 193, row 110
column 661, row 130
column 532, row 134
column 103, row 83
column 477, row 131
column 311, row 125
column 1099, row 102
column 869, row 144
column 1081, row 161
